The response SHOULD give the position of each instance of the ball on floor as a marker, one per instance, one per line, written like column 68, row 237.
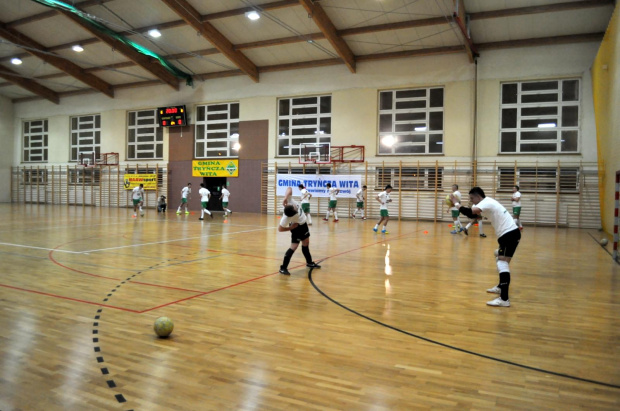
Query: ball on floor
column 603, row 242
column 163, row 327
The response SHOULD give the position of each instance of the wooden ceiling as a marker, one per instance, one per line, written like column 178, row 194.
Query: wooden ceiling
column 214, row 39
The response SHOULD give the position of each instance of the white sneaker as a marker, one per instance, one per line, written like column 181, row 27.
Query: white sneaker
column 498, row 302
column 495, row 290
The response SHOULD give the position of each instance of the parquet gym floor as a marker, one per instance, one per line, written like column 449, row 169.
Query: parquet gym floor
column 394, row 321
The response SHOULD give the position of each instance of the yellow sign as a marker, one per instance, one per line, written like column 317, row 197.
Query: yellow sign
column 215, row 168
column 133, row 180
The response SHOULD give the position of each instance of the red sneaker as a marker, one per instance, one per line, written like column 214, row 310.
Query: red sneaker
column 335, row 221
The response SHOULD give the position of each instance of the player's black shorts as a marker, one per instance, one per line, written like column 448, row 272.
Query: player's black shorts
column 509, row 242
column 300, row 233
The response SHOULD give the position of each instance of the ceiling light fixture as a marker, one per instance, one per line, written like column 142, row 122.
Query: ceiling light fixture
column 154, row 33
column 252, row 15
column 77, row 48
column 16, row 60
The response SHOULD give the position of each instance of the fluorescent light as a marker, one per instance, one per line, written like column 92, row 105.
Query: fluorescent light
column 234, row 135
column 252, row 15
column 236, row 146
column 16, row 60
column 154, row 33
column 419, row 129
column 546, row 125
column 77, row 48
column 388, row 141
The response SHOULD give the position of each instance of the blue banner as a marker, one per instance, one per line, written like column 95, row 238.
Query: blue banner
column 316, row 184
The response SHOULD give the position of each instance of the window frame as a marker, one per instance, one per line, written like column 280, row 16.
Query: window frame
column 75, row 132
column 231, row 130
column 286, row 139
column 539, row 179
column 27, row 136
column 415, row 176
column 156, row 138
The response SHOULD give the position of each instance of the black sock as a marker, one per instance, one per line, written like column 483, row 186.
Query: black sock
column 287, row 258
column 504, row 283
column 306, row 251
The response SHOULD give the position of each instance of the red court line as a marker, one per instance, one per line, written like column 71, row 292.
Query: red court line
column 68, row 298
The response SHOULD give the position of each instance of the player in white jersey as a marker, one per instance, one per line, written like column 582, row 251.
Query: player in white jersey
column 137, row 195
column 185, row 192
column 472, row 221
column 305, row 202
column 204, row 201
column 516, row 206
column 508, row 237
column 294, row 220
column 360, row 203
column 333, row 202
column 383, row 198
column 224, row 197
column 455, row 211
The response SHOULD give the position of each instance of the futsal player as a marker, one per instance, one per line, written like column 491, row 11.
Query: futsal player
column 224, row 197
column 204, row 194
column 455, row 211
column 137, row 195
column 508, row 237
column 516, row 206
column 333, row 202
column 473, row 221
column 294, row 220
column 360, row 203
column 305, row 202
column 185, row 192
column 383, row 198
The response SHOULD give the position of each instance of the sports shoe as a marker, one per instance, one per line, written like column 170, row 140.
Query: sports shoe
column 352, row 215
column 498, row 302
column 178, row 212
column 363, row 218
column 200, row 218
column 461, row 229
column 483, row 235
column 465, row 231
column 187, row 212
column 494, row 290
column 374, row 229
column 520, row 228
column 211, row 215
column 453, row 232
column 384, row 232
column 335, row 221
column 284, row 271
column 325, row 219
column 313, row 265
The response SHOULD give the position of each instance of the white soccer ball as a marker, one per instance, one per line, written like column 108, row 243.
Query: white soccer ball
column 604, row 242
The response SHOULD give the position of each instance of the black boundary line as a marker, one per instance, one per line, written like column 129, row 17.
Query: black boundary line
column 97, row 349
column 603, row 247
column 488, row 357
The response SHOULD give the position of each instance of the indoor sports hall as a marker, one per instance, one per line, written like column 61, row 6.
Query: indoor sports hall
column 147, row 148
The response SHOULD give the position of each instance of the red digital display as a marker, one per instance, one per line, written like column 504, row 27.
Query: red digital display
column 171, row 116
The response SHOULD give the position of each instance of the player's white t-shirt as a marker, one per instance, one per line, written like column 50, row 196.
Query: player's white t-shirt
column 137, row 193
column 305, row 196
column 299, row 218
column 456, row 194
column 185, row 192
column 204, row 194
column 383, row 196
column 498, row 216
column 517, row 203
column 332, row 194
column 360, row 195
column 225, row 195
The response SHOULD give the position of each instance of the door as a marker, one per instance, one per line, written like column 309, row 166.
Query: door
column 215, row 185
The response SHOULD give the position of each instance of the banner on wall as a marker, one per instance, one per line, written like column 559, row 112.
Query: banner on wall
column 215, row 168
column 315, row 184
column 133, row 180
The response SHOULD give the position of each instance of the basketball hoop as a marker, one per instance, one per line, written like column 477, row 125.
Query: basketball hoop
column 315, row 153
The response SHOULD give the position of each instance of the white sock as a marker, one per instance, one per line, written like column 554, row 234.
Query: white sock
column 335, row 215
column 207, row 211
column 468, row 225
column 376, row 226
column 309, row 217
column 179, row 210
column 456, row 224
column 202, row 213
column 363, row 214
column 480, row 226
column 383, row 228
column 327, row 215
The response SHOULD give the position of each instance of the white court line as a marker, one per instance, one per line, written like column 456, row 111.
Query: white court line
column 41, row 248
column 168, row 241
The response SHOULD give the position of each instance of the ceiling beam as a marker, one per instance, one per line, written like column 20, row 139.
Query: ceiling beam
column 241, row 11
column 149, row 64
column 191, row 16
column 322, row 20
column 412, row 53
column 29, row 85
column 72, row 69
column 543, row 41
column 52, row 13
column 461, row 20
column 520, row 11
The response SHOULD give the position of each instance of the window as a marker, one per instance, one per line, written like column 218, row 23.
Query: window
column 35, row 141
column 145, row 139
column 85, row 135
column 412, row 178
column 35, row 177
column 85, row 176
column 542, row 179
column 300, row 170
column 411, row 121
column 540, row 117
column 217, row 130
column 303, row 120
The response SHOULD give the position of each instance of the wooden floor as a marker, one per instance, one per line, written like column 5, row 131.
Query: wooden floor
column 394, row 321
